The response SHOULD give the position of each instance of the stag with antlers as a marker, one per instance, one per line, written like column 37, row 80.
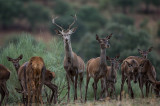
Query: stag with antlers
column 73, row 64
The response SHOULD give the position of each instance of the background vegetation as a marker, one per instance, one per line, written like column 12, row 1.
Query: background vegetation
column 134, row 24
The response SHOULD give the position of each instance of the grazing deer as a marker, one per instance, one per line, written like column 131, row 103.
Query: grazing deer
column 35, row 76
column 4, row 76
column 97, row 67
column 129, row 70
column 49, row 76
column 73, row 64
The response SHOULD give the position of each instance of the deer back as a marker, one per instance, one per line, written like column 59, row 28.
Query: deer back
column 93, row 66
column 4, row 73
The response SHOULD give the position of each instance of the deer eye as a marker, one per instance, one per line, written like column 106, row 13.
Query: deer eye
column 130, row 65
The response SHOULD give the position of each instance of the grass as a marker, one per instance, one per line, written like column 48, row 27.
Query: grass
column 52, row 53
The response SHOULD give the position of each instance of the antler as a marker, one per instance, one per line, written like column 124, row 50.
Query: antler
column 108, row 37
column 53, row 21
column 75, row 18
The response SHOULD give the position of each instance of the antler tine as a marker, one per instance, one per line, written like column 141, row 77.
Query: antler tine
column 75, row 18
column 53, row 21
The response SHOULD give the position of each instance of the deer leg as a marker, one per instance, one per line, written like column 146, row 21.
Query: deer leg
column 94, row 85
column 147, row 88
column 102, row 88
column 2, row 95
column 87, row 82
column 75, row 86
column 141, row 85
column 80, row 84
column 68, row 82
column 54, row 89
column 122, row 84
column 4, row 88
column 130, row 91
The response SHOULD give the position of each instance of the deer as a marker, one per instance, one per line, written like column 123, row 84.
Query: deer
column 148, row 72
column 142, row 79
column 35, row 76
column 97, row 67
column 112, row 73
column 130, row 71
column 73, row 64
column 49, row 76
column 4, row 76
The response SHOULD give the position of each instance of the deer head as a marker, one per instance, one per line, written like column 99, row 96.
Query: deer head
column 113, row 61
column 144, row 53
column 104, row 43
column 65, row 33
column 15, row 61
column 133, row 70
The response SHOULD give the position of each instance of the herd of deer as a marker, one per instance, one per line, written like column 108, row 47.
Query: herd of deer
column 33, row 74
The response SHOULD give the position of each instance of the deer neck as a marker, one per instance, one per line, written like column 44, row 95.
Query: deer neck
column 113, row 70
column 103, row 57
column 68, row 51
column 17, row 68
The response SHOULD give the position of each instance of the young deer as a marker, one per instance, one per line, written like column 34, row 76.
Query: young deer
column 4, row 76
column 49, row 76
column 73, row 64
column 112, row 73
column 148, row 74
column 97, row 67
column 129, row 70
column 143, row 81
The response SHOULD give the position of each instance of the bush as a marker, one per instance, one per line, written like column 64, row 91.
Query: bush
column 62, row 8
column 122, row 19
column 52, row 54
column 158, row 30
column 92, row 18
column 9, row 10
column 36, row 14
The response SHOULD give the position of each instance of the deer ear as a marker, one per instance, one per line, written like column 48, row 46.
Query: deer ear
column 140, row 51
column 108, row 37
column 120, row 61
column 150, row 49
column 97, row 38
column 117, row 56
column 107, row 58
column 74, row 29
column 9, row 59
column 20, row 57
column 57, row 32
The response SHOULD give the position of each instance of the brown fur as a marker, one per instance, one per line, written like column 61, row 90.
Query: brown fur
column 4, row 76
column 35, row 73
column 143, row 80
column 129, row 73
column 49, row 76
column 74, row 68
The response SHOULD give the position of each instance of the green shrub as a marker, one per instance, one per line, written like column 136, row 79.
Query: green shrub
column 122, row 19
column 52, row 54
column 158, row 30
column 36, row 14
column 92, row 18
column 62, row 8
